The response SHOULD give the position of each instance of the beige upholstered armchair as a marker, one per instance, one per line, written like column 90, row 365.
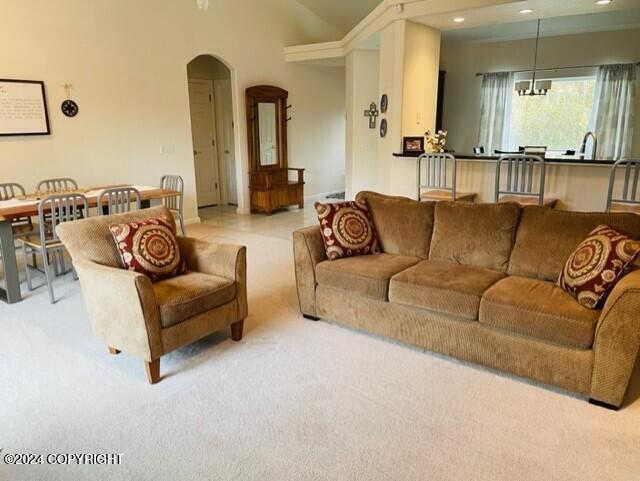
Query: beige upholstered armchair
column 131, row 314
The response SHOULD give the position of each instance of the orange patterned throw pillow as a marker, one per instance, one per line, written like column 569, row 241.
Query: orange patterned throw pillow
column 149, row 247
column 347, row 229
column 595, row 267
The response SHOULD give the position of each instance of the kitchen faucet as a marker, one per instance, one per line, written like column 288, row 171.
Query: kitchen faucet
column 583, row 149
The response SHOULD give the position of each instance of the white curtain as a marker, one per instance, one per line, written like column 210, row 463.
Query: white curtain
column 496, row 94
column 613, row 110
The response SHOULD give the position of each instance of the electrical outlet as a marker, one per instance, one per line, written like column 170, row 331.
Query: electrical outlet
column 168, row 149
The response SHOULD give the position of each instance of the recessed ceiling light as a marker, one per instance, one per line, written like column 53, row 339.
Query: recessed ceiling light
column 526, row 11
column 604, row 2
column 458, row 19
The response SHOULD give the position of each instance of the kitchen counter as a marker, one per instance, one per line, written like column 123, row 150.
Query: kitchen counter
column 549, row 159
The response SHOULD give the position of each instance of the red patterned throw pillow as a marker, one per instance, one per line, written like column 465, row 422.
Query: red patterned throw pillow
column 598, row 263
column 347, row 229
column 149, row 247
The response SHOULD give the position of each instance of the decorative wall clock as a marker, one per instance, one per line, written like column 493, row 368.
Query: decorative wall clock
column 69, row 108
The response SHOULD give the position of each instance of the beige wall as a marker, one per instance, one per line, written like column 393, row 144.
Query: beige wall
column 361, row 89
column 127, row 62
column 421, row 66
column 463, row 60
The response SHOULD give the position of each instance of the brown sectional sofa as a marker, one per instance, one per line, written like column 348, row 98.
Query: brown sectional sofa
column 477, row 282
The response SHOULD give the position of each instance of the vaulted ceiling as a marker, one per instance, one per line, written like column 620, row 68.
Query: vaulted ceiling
column 342, row 14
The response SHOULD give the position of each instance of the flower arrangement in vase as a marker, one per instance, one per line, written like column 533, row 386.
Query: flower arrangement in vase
column 436, row 140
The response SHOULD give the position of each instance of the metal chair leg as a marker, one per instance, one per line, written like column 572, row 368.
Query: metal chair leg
column 27, row 272
column 184, row 232
column 47, row 275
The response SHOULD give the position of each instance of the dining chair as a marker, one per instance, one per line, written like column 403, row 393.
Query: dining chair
column 520, row 183
column 629, row 198
column 437, row 173
column 118, row 200
column 59, row 209
column 21, row 225
column 175, row 203
column 52, row 186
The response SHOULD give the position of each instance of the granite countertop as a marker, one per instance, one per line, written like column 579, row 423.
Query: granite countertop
column 555, row 159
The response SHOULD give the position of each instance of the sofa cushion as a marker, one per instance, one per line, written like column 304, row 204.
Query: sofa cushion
column 347, row 229
column 365, row 275
column 547, row 237
column 596, row 266
column 477, row 235
column 404, row 226
column 538, row 309
column 443, row 287
column 182, row 297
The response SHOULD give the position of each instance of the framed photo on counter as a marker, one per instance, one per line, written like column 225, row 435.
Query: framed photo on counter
column 23, row 108
column 412, row 145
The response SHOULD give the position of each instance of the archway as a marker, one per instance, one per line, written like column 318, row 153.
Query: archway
column 212, row 130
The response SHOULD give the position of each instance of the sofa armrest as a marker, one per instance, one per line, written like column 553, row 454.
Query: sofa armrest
column 219, row 259
column 122, row 307
column 308, row 252
column 617, row 341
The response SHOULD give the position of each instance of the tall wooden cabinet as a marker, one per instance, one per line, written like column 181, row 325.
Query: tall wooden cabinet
column 272, row 183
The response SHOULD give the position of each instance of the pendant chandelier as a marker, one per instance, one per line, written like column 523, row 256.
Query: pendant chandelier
column 533, row 87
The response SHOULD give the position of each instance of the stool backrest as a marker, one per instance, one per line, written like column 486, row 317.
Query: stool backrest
column 629, row 192
column 62, row 184
column 118, row 200
column 433, row 173
column 520, row 176
column 173, row 182
column 58, row 209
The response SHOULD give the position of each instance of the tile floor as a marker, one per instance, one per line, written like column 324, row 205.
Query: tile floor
column 280, row 224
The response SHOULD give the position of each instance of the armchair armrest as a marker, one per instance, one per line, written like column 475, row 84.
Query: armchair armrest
column 122, row 307
column 308, row 252
column 617, row 341
column 224, row 260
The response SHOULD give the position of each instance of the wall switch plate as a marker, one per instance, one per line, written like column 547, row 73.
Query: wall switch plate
column 168, row 149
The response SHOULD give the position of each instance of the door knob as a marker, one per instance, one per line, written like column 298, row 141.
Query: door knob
column 227, row 151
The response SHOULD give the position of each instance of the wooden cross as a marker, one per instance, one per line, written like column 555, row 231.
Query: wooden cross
column 372, row 113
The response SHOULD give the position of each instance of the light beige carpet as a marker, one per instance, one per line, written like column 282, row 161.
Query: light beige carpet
column 295, row 400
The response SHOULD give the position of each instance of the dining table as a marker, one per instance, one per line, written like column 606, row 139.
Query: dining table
column 27, row 206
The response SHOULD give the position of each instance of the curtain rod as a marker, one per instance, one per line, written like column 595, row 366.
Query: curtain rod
column 552, row 69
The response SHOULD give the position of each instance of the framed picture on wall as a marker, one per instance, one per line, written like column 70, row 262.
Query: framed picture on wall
column 23, row 108
column 412, row 145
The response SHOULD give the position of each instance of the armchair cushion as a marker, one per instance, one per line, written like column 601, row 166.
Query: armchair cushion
column 150, row 248
column 182, row 297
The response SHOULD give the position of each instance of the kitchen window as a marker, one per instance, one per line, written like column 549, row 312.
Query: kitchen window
column 558, row 120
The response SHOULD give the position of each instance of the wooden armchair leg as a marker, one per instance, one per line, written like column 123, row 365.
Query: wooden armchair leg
column 153, row 371
column 113, row 351
column 236, row 330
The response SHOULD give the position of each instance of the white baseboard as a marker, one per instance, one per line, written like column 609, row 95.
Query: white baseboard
column 320, row 197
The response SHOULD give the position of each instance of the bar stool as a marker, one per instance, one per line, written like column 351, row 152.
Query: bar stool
column 436, row 167
column 629, row 200
column 118, row 200
column 59, row 209
column 174, row 204
column 520, row 179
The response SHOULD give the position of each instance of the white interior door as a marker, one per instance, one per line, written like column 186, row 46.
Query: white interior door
column 205, row 154
column 226, row 143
